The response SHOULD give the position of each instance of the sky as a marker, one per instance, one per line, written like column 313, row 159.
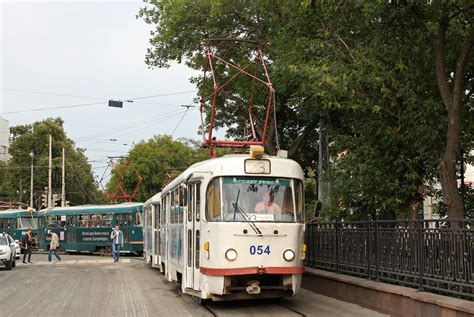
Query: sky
column 95, row 50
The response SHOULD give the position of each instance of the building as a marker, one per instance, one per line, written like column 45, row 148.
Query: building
column 4, row 139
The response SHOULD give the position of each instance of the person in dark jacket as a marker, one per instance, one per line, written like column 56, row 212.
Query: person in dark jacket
column 27, row 242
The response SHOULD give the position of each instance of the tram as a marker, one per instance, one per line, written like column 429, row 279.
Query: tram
column 87, row 228
column 16, row 222
column 231, row 228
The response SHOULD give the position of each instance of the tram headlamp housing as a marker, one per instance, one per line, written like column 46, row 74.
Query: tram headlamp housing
column 289, row 255
column 231, row 254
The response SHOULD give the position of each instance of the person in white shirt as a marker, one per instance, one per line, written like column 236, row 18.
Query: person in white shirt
column 117, row 241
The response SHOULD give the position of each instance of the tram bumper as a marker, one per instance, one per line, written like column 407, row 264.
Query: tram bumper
column 257, row 282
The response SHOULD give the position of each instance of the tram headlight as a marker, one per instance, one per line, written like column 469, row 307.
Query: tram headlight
column 289, row 255
column 231, row 254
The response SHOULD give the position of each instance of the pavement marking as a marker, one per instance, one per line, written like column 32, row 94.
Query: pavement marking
column 104, row 261
column 125, row 261
column 86, row 261
column 66, row 262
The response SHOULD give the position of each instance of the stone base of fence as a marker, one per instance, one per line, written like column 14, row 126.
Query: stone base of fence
column 385, row 298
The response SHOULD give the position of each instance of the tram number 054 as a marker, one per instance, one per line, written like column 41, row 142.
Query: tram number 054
column 259, row 249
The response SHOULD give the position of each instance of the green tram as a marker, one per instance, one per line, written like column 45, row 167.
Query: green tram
column 16, row 222
column 88, row 228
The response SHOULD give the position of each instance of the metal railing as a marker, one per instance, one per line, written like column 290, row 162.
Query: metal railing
column 431, row 255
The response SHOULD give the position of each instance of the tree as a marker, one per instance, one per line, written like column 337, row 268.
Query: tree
column 80, row 185
column 452, row 52
column 154, row 160
column 362, row 67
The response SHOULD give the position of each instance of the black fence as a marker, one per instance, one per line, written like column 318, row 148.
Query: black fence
column 431, row 255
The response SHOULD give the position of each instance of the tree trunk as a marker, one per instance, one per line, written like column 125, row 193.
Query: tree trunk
column 452, row 101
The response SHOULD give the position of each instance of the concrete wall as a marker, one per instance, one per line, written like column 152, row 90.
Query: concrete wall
column 4, row 139
column 386, row 298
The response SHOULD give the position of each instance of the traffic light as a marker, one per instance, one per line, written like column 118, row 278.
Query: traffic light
column 44, row 200
column 56, row 199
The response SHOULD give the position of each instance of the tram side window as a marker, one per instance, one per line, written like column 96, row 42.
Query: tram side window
column 198, row 201
column 56, row 221
column 299, row 197
column 27, row 222
column 71, row 221
column 163, row 210
column 94, row 221
column 191, row 202
column 5, row 223
column 182, row 203
column 83, row 221
column 106, row 220
column 198, row 248
column 138, row 219
column 213, row 197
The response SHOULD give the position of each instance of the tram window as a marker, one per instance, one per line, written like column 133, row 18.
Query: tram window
column 106, row 220
column 94, row 221
column 213, row 198
column 71, row 221
column 198, row 248
column 299, row 197
column 54, row 221
column 83, row 221
column 138, row 220
column 27, row 222
column 190, row 247
column 198, row 201
column 191, row 203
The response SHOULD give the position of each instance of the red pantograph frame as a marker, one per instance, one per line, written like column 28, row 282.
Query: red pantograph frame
column 123, row 195
column 208, row 139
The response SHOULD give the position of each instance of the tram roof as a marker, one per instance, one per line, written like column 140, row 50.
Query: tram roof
column 154, row 198
column 119, row 208
column 11, row 213
column 229, row 165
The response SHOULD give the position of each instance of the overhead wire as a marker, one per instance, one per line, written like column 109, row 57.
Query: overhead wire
column 179, row 122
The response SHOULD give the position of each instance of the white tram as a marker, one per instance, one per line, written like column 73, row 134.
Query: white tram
column 231, row 228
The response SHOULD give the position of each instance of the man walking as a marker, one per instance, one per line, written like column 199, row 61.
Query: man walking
column 27, row 241
column 117, row 242
column 53, row 247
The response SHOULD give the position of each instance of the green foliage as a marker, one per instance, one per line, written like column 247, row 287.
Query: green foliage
column 80, row 185
column 366, row 68
column 154, row 160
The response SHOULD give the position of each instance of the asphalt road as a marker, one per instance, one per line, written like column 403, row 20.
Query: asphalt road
column 95, row 286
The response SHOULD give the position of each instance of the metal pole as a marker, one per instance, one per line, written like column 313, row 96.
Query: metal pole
column 31, row 180
column 50, row 171
column 63, row 191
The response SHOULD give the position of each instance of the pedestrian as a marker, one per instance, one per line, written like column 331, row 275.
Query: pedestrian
column 117, row 242
column 27, row 241
column 53, row 246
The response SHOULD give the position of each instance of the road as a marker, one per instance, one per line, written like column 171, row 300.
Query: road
column 95, row 286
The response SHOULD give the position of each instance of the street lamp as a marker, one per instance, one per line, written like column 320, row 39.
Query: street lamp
column 32, row 155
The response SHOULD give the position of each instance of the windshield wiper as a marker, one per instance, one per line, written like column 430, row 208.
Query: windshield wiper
column 236, row 204
column 246, row 217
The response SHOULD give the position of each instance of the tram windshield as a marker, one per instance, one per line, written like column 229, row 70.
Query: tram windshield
column 262, row 199
column 28, row 222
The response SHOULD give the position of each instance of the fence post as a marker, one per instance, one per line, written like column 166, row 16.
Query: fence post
column 419, row 221
column 337, row 244
column 369, row 221
column 376, row 243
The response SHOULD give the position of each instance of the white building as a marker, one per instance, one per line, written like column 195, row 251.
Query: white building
column 4, row 139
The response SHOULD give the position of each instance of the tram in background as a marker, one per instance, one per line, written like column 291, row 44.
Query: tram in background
column 215, row 236
column 16, row 222
column 87, row 228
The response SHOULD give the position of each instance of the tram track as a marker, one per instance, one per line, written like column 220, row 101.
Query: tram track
column 222, row 309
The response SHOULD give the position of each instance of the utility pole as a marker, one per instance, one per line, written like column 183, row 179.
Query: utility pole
column 32, row 155
column 50, row 171
column 323, row 167
column 63, row 185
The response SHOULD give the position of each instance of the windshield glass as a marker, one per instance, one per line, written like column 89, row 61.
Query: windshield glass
column 3, row 240
column 262, row 199
column 27, row 222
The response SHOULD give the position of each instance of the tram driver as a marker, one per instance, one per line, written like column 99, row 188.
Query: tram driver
column 267, row 206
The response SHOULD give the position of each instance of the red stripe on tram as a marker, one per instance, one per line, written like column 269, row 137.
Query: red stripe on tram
column 136, row 242
column 252, row 270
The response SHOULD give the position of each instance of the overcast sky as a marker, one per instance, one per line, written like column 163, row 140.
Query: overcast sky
column 94, row 49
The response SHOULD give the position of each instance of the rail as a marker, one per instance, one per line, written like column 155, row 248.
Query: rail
column 431, row 255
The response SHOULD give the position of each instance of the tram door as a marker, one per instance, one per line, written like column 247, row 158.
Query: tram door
column 192, row 237
column 155, row 232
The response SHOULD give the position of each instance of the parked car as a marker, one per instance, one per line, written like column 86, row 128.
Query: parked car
column 7, row 251
column 17, row 249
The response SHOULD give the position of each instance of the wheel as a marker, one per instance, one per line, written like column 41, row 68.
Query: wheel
column 14, row 262
column 8, row 265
